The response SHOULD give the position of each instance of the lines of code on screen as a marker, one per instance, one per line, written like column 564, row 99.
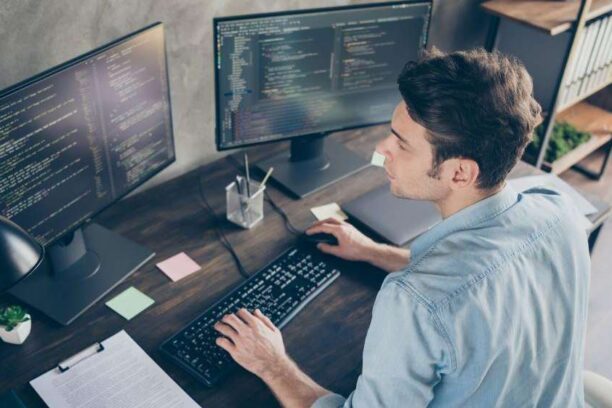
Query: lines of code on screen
column 290, row 75
column 74, row 141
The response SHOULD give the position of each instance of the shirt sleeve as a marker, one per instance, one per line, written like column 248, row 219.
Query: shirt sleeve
column 404, row 354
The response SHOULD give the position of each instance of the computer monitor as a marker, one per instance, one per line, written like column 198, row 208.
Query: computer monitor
column 74, row 140
column 303, row 74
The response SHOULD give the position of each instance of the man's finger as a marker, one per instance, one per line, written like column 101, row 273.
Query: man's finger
column 326, row 228
column 246, row 316
column 265, row 319
column 329, row 220
column 234, row 322
column 225, row 330
column 226, row 345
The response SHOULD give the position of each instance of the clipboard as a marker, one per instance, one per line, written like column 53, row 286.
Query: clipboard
column 80, row 356
column 116, row 373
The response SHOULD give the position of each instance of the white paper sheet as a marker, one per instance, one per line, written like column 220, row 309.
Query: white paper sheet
column 326, row 211
column 378, row 159
column 120, row 376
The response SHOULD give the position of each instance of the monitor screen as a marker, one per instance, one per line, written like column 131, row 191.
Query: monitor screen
column 314, row 71
column 78, row 137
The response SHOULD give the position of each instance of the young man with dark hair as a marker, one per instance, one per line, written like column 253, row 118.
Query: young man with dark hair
column 488, row 307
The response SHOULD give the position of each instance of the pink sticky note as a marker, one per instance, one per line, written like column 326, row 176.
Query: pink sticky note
column 178, row 266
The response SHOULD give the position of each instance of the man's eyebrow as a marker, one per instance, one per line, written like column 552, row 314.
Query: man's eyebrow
column 398, row 136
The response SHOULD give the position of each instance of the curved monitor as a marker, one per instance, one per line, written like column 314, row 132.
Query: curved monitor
column 81, row 135
column 305, row 72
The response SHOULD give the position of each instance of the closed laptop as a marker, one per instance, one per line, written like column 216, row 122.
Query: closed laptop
column 394, row 219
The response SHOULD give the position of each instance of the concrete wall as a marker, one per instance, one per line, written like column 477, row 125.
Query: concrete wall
column 38, row 34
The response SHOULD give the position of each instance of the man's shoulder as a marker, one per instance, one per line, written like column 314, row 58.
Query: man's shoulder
column 543, row 206
column 400, row 287
column 467, row 257
column 544, row 200
column 432, row 281
column 457, row 262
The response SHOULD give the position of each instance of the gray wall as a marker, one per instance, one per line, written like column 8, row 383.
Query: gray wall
column 38, row 34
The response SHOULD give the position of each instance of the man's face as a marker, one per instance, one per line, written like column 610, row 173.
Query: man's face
column 409, row 158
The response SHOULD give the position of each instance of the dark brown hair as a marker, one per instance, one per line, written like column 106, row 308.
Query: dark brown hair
column 474, row 104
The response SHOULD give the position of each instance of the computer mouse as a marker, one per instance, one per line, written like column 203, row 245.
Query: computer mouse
column 320, row 237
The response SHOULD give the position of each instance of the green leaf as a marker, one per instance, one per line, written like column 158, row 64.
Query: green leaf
column 11, row 316
column 563, row 139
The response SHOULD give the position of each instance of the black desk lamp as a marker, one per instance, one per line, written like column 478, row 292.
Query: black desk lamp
column 20, row 254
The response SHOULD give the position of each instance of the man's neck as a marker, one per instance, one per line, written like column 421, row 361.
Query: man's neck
column 457, row 201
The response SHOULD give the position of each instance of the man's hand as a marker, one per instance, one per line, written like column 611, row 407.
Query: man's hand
column 355, row 246
column 253, row 341
column 257, row 345
column 352, row 244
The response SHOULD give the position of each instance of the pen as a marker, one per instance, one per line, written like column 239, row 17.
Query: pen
column 263, row 183
column 248, row 177
column 241, row 204
column 238, row 187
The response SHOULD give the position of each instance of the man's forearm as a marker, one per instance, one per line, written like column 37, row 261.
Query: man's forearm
column 291, row 386
column 388, row 258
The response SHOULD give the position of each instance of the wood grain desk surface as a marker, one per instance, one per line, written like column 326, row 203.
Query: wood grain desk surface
column 326, row 338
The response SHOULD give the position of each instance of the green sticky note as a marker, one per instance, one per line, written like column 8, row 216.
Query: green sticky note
column 130, row 302
column 378, row 159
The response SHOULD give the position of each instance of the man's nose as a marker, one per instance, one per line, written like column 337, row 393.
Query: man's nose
column 382, row 147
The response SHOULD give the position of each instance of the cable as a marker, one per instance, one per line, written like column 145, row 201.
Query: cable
column 218, row 227
column 290, row 227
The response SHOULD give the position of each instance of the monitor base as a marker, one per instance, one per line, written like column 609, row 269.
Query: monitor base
column 306, row 176
column 67, row 289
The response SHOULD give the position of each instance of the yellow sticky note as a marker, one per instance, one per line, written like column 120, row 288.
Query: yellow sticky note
column 332, row 210
column 378, row 159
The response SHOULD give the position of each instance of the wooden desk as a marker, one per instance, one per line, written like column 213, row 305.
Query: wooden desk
column 326, row 338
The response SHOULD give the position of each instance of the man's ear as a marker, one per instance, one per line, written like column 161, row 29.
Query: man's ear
column 464, row 173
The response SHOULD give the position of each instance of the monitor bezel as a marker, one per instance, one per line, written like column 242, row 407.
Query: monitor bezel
column 74, row 61
column 217, row 20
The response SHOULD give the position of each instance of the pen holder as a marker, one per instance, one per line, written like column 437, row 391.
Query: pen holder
column 241, row 209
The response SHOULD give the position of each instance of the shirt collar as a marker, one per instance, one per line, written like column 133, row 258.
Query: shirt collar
column 463, row 219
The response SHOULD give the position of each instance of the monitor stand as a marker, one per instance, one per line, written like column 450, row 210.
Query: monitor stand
column 81, row 269
column 312, row 164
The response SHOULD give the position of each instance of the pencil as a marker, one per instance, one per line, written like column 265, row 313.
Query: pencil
column 248, row 176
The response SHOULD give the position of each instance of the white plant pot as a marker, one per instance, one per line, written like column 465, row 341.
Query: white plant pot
column 19, row 334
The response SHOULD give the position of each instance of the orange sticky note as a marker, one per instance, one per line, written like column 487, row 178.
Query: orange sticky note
column 178, row 266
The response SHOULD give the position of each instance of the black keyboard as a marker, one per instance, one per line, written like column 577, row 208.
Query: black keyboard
column 280, row 290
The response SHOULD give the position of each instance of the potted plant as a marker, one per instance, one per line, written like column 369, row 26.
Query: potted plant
column 564, row 138
column 15, row 324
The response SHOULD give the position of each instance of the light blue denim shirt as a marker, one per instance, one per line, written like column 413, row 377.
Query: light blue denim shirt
column 490, row 312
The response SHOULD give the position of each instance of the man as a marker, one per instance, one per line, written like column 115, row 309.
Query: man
column 488, row 307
